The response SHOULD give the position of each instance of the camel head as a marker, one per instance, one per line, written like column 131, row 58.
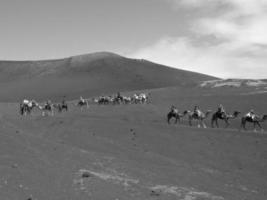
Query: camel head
column 186, row 112
column 236, row 113
column 264, row 117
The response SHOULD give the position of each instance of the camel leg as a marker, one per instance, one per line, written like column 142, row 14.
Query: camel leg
column 177, row 117
column 213, row 119
column 203, row 124
column 226, row 123
column 168, row 120
column 198, row 124
column 258, row 123
column 212, row 122
column 190, row 122
column 254, row 125
column 217, row 125
column 243, row 125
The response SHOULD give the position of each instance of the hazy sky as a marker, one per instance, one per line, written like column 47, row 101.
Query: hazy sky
column 225, row 38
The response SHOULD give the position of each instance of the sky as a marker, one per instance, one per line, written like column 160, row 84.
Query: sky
column 223, row 38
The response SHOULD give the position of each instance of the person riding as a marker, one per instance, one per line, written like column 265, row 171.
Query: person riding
column 82, row 99
column 221, row 110
column 63, row 101
column 174, row 109
column 251, row 114
column 48, row 104
column 26, row 102
column 196, row 111
column 119, row 96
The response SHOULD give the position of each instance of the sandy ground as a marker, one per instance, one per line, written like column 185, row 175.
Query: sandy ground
column 129, row 152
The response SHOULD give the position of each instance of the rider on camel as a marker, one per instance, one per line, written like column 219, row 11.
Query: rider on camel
column 221, row 110
column 48, row 104
column 251, row 114
column 119, row 96
column 82, row 99
column 174, row 109
column 196, row 111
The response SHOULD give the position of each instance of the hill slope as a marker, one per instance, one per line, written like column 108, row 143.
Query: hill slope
column 89, row 75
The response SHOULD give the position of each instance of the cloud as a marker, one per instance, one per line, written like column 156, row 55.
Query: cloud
column 233, row 43
column 214, row 60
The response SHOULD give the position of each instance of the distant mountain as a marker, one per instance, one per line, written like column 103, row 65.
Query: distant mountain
column 87, row 75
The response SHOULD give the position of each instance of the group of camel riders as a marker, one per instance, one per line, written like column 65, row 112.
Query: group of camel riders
column 48, row 107
column 251, row 114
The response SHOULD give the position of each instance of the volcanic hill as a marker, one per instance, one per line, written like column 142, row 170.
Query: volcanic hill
column 88, row 75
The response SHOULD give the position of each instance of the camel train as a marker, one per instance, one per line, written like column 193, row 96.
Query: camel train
column 119, row 99
column 220, row 114
column 48, row 109
column 27, row 106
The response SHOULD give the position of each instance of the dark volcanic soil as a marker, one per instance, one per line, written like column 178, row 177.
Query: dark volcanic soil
column 130, row 152
column 125, row 152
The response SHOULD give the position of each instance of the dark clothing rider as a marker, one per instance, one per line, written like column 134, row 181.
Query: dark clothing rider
column 221, row 110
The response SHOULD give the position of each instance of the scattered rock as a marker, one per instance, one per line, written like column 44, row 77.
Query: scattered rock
column 15, row 166
column 86, row 174
column 154, row 193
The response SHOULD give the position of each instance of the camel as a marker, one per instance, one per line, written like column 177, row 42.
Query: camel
column 126, row 100
column 174, row 113
column 200, row 117
column 140, row 98
column 223, row 116
column 255, row 120
column 61, row 106
column 83, row 102
column 104, row 100
column 26, row 106
column 47, row 109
